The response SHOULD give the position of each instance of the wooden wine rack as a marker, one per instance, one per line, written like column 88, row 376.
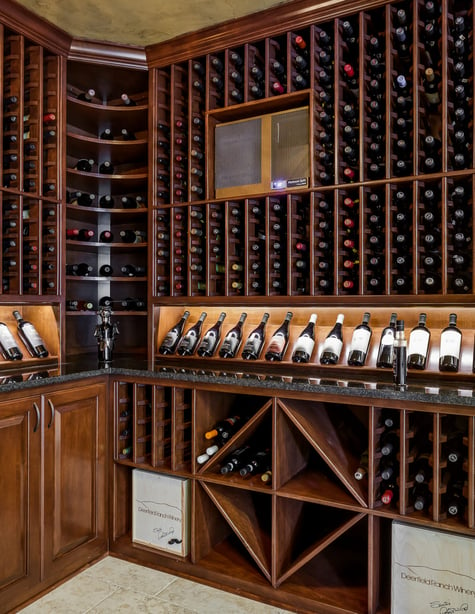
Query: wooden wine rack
column 129, row 157
column 347, row 250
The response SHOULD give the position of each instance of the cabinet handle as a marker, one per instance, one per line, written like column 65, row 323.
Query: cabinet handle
column 38, row 418
column 50, row 403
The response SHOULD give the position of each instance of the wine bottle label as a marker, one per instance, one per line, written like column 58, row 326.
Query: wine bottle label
column 277, row 343
column 450, row 342
column 208, row 342
column 6, row 338
column 230, row 344
column 170, row 338
column 188, row 340
column 304, row 344
column 32, row 335
column 388, row 338
column 253, row 343
column 418, row 342
column 332, row 345
column 360, row 340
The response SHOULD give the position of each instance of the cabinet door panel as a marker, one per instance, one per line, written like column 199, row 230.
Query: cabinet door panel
column 20, row 440
column 75, row 495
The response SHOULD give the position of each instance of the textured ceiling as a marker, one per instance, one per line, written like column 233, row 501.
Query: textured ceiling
column 140, row 22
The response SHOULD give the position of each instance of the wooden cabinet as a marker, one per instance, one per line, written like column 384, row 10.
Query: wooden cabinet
column 55, row 492
column 20, row 454
column 315, row 537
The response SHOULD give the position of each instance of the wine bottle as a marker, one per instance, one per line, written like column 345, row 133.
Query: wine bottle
column 106, row 168
column 385, row 359
column 106, row 270
column 128, row 102
column 422, row 468
column 30, row 337
column 333, row 343
column 450, row 345
column 279, row 340
column 421, row 497
column 173, row 336
column 190, row 339
column 87, row 96
column 84, row 165
column 259, row 463
column 388, row 468
column 418, row 344
column 254, row 343
column 106, row 236
column 389, row 492
column 303, row 347
column 224, row 429
column 210, row 340
column 232, row 341
column 8, row 346
column 203, row 458
column 236, row 460
column 360, row 342
column 400, row 355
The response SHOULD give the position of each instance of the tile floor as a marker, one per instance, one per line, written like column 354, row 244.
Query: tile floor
column 113, row 585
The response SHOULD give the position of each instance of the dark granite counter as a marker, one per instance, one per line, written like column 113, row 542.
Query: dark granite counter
column 86, row 366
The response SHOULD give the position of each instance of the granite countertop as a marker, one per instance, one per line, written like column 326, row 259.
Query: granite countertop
column 86, row 366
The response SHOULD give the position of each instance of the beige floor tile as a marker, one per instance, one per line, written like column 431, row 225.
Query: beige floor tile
column 128, row 575
column 206, row 600
column 125, row 600
column 73, row 597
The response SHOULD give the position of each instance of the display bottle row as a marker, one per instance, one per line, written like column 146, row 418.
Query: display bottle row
column 409, row 238
column 255, row 343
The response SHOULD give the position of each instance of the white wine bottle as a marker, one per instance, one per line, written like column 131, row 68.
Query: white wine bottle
column 173, row 336
column 8, row 346
column 233, row 339
column 450, row 344
column 360, row 342
column 190, row 339
column 254, row 343
column 279, row 340
column 30, row 337
column 333, row 343
column 303, row 347
column 385, row 359
column 418, row 349
column 210, row 341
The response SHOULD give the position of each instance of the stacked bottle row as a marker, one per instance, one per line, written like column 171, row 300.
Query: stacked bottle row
column 30, row 231
column 311, row 343
column 30, row 94
column 420, row 465
column 389, row 239
column 153, row 425
column 107, row 182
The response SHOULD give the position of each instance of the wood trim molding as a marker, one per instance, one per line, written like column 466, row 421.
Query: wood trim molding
column 257, row 26
column 110, row 54
column 33, row 27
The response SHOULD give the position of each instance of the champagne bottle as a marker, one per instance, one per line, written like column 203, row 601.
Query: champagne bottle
column 8, row 346
column 173, row 336
column 418, row 344
column 253, row 347
column 233, row 339
column 333, row 343
column 360, row 342
column 303, row 347
column 450, row 345
column 190, row 339
column 211, row 338
column 279, row 341
column 385, row 359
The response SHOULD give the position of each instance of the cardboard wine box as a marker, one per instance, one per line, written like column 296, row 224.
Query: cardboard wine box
column 161, row 511
column 433, row 572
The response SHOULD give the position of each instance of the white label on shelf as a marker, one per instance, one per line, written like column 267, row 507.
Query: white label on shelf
column 277, row 343
column 418, row 342
column 231, row 343
column 333, row 345
column 450, row 341
column 388, row 338
column 32, row 334
column 360, row 340
column 304, row 344
column 253, row 343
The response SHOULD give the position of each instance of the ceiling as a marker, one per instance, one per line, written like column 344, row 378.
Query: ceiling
column 140, row 22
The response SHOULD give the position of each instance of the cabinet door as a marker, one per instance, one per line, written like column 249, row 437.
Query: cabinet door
column 20, row 522
column 75, row 492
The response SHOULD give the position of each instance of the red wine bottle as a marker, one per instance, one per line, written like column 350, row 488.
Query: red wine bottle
column 418, row 344
column 254, row 343
column 173, row 336
column 450, row 345
column 30, row 337
column 303, row 347
column 333, row 343
column 190, row 339
column 360, row 342
column 211, row 338
column 279, row 341
column 233, row 339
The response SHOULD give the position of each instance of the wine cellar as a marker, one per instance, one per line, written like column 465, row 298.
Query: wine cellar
column 259, row 205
